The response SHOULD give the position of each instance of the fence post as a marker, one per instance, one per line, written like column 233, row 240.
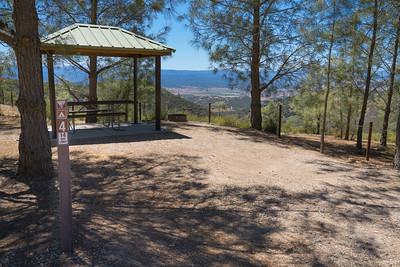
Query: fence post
column 140, row 111
column 369, row 141
column 279, row 120
column 209, row 112
column 12, row 99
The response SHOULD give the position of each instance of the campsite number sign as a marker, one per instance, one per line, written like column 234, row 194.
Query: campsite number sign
column 64, row 176
column 62, row 122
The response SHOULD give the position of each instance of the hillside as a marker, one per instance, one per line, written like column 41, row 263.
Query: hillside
column 178, row 104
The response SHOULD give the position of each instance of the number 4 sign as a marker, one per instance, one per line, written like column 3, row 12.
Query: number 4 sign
column 62, row 122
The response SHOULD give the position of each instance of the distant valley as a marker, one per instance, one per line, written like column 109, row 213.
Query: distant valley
column 198, row 87
column 170, row 78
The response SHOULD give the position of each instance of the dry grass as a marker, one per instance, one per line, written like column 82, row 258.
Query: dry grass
column 8, row 111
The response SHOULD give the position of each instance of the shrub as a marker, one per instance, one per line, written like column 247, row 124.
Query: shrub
column 231, row 121
column 270, row 117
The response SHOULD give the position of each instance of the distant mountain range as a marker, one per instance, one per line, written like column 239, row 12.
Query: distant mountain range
column 190, row 78
column 170, row 78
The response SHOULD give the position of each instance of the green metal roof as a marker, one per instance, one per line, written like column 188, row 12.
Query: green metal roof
column 88, row 39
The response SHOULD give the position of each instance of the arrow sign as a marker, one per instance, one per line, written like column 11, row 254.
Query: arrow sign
column 62, row 105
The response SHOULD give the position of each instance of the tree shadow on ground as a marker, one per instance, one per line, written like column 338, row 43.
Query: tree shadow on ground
column 8, row 125
column 158, row 210
column 116, row 139
column 27, row 212
column 333, row 148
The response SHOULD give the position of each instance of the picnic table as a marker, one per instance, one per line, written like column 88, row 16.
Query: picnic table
column 110, row 111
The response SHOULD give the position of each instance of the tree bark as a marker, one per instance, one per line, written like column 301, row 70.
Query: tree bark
column 34, row 142
column 368, row 79
column 256, row 119
column 341, row 123
column 328, row 87
column 349, row 112
column 350, row 99
column 2, row 95
column 396, row 161
column 391, row 88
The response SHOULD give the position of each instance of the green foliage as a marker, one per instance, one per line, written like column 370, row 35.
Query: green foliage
column 232, row 121
column 222, row 120
column 270, row 117
column 226, row 29
column 220, row 105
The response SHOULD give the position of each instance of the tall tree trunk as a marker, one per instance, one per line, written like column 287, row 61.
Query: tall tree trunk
column 368, row 79
column 350, row 99
column 328, row 87
column 93, row 67
column 396, row 161
column 341, row 123
column 34, row 142
column 2, row 95
column 391, row 88
column 256, row 119
column 349, row 112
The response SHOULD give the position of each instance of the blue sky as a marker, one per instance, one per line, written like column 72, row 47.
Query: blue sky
column 186, row 57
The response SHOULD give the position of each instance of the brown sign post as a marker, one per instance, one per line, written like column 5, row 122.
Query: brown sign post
column 64, row 176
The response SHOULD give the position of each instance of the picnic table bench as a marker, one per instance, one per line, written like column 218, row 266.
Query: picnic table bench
column 110, row 111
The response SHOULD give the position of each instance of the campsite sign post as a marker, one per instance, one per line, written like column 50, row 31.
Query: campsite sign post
column 64, row 176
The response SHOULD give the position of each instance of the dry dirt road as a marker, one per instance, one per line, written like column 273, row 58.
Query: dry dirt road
column 211, row 196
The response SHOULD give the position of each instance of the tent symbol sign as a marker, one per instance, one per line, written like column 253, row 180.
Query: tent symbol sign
column 61, row 115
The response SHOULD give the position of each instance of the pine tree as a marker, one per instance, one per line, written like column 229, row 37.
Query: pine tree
column 328, row 85
column 391, row 87
column 360, row 129
column 136, row 16
column 253, row 40
column 34, row 143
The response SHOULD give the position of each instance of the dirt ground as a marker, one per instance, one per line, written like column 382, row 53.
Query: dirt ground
column 211, row 196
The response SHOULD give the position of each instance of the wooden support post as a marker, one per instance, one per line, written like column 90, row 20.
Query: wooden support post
column 369, row 141
column 140, row 111
column 12, row 98
column 158, row 93
column 279, row 120
column 52, row 94
column 209, row 112
column 144, row 111
column 126, row 112
column 135, row 90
